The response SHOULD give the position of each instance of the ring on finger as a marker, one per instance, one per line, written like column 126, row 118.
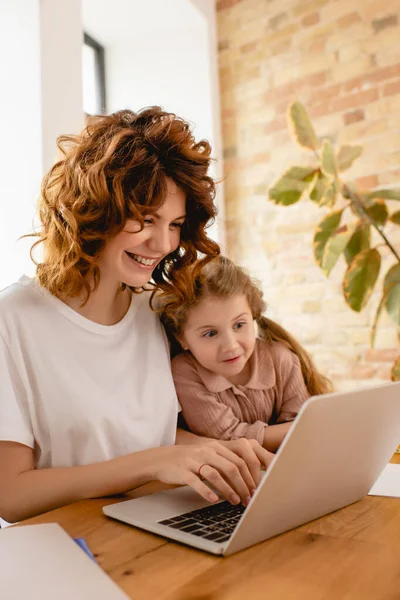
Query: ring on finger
column 199, row 469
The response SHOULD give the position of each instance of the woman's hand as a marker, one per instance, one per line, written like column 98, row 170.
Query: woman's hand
column 254, row 455
column 231, row 468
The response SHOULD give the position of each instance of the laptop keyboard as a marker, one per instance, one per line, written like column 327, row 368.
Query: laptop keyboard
column 215, row 522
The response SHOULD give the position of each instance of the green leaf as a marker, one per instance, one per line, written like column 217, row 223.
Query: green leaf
column 320, row 188
column 391, row 289
column 335, row 246
column 328, row 159
column 395, row 217
column 347, row 155
column 325, row 229
column 360, row 278
column 376, row 319
column 301, row 126
column 292, row 185
column 377, row 210
column 360, row 240
column 395, row 373
column 330, row 194
column 386, row 194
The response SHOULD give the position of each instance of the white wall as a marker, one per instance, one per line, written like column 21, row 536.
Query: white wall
column 41, row 97
column 20, row 126
column 169, row 61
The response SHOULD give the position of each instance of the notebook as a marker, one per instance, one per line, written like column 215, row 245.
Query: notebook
column 388, row 483
column 42, row 562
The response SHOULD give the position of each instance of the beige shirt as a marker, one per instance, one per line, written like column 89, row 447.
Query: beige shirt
column 214, row 407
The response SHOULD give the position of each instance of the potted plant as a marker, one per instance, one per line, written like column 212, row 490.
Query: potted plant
column 346, row 227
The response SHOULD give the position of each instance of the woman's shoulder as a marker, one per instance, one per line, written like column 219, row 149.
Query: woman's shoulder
column 17, row 295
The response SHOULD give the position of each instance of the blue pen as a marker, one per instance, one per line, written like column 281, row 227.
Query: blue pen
column 82, row 544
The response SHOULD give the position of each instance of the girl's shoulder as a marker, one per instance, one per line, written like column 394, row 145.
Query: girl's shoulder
column 281, row 355
column 185, row 365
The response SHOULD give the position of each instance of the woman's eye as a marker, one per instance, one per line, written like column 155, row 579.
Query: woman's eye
column 147, row 221
column 240, row 324
column 177, row 225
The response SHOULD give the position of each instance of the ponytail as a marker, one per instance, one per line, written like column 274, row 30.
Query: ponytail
column 316, row 383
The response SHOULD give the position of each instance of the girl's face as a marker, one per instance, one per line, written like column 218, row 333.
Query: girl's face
column 132, row 255
column 220, row 334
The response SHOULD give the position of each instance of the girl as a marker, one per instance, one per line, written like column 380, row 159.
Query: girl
column 230, row 382
column 87, row 402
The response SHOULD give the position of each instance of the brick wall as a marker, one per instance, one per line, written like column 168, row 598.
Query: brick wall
column 341, row 58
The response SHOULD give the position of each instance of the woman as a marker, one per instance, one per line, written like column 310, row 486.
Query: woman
column 87, row 403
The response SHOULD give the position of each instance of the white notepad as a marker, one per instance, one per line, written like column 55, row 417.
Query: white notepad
column 42, row 562
column 388, row 483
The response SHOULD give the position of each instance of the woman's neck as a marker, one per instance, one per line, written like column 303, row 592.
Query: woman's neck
column 107, row 305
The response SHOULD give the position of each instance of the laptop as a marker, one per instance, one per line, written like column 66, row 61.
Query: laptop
column 331, row 457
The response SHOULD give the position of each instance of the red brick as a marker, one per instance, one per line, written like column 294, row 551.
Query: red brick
column 389, row 177
column 349, row 20
column 311, row 19
column 355, row 100
column 250, row 47
column 353, row 117
column 384, row 372
column 228, row 113
column 327, row 93
column 392, row 88
column 275, row 125
column 380, row 24
column 374, row 77
column 223, row 4
column 313, row 80
column 317, row 46
column 362, row 371
column 223, row 45
column 320, row 110
column 382, row 355
column 369, row 181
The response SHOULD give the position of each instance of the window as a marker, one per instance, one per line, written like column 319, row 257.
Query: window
column 93, row 73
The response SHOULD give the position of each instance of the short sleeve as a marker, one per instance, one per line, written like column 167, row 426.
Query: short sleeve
column 15, row 423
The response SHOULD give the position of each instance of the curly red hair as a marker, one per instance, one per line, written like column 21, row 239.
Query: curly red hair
column 113, row 171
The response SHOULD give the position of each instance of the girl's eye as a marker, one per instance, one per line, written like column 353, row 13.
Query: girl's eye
column 177, row 225
column 209, row 334
column 240, row 324
column 147, row 221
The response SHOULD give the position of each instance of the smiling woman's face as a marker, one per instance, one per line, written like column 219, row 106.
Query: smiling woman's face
column 132, row 255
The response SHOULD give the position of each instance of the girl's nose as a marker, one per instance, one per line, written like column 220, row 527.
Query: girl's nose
column 229, row 342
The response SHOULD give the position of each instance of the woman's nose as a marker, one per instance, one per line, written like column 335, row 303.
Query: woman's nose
column 160, row 241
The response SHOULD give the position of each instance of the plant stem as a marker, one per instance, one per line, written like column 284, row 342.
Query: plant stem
column 357, row 200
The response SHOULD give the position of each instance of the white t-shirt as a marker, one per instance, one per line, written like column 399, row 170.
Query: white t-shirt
column 79, row 392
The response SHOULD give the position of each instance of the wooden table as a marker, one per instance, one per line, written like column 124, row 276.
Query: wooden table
column 352, row 554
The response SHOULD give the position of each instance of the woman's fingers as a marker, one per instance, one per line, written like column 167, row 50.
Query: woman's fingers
column 247, row 470
column 227, row 478
column 201, row 488
column 244, row 449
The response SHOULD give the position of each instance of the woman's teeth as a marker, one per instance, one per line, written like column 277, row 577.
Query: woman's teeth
column 148, row 262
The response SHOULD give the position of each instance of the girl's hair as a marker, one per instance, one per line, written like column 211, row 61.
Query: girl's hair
column 113, row 171
column 223, row 279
